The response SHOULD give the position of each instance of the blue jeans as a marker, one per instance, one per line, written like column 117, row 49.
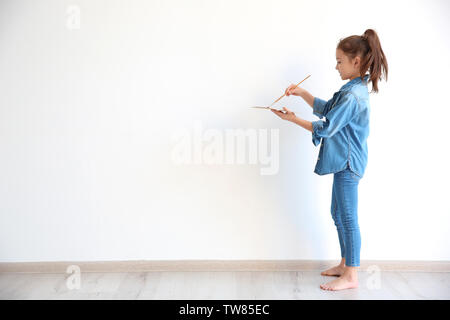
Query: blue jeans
column 344, row 210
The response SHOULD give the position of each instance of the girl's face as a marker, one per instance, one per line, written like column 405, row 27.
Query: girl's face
column 348, row 69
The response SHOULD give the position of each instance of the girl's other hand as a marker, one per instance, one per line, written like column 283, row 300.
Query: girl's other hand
column 293, row 90
column 287, row 115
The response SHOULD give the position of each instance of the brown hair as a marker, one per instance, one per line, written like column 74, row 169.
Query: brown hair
column 368, row 48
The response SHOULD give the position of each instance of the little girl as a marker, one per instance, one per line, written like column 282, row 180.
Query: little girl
column 343, row 142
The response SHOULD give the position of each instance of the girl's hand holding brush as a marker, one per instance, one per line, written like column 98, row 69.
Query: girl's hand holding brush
column 293, row 89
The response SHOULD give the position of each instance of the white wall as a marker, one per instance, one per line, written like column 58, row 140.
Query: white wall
column 88, row 117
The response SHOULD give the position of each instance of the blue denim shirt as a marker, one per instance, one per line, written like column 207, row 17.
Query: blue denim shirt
column 345, row 131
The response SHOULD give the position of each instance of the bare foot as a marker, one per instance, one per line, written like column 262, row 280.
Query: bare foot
column 335, row 271
column 341, row 283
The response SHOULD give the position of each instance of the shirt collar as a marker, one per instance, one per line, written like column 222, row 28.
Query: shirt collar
column 355, row 81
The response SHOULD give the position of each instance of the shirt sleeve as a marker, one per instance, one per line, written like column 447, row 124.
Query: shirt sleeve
column 318, row 107
column 321, row 107
column 345, row 109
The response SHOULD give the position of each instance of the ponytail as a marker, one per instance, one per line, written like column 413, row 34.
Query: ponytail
column 368, row 47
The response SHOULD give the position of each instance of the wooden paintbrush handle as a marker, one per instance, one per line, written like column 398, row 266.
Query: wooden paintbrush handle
column 285, row 93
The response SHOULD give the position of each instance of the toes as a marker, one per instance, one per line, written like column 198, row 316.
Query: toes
column 326, row 273
column 327, row 286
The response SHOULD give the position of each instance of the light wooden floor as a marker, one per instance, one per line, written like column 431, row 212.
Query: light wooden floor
column 222, row 285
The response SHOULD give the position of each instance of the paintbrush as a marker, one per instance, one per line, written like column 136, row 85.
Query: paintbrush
column 269, row 107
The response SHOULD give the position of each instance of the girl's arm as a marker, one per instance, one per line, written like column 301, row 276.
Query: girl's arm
column 297, row 91
column 308, row 97
column 290, row 116
column 303, row 123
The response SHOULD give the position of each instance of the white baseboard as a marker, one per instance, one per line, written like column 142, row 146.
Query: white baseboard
column 216, row 265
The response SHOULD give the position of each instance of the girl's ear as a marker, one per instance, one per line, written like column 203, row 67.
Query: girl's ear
column 357, row 61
